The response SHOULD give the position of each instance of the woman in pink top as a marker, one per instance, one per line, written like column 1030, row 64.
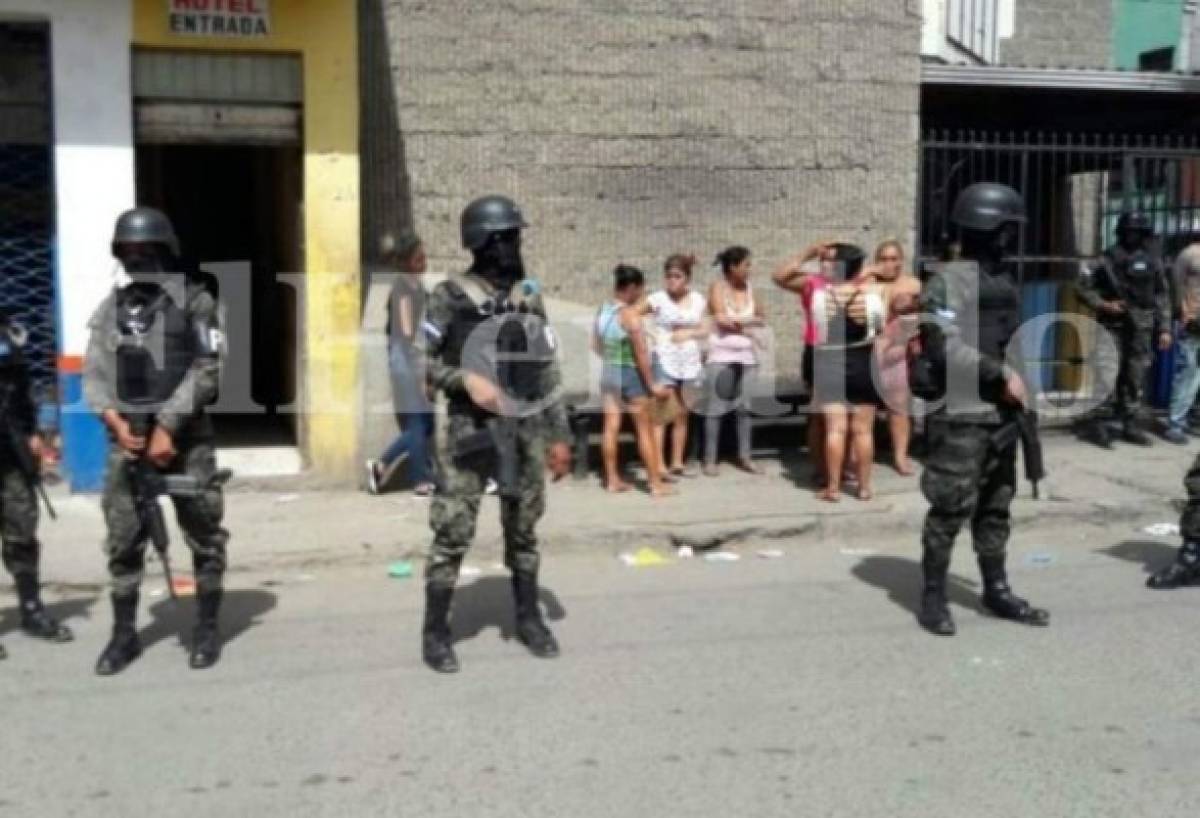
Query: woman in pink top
column 732, row 356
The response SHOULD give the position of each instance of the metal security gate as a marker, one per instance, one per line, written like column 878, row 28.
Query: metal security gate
column 1075, row 187
column 26, row 195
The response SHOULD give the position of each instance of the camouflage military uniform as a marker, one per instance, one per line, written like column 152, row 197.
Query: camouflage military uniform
column 455, row 508
column 18, row 504
column 191, row 430
column 1122, row 380
column 1185, row 569
column 966, row 477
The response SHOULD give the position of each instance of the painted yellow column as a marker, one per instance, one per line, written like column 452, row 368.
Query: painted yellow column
column 325, row 34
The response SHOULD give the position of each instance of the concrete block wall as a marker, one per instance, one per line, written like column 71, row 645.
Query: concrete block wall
column 633, row 129
column 1066, row 33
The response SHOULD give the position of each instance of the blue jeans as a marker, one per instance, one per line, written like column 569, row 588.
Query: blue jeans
column 1187, row 380
column 413, row 413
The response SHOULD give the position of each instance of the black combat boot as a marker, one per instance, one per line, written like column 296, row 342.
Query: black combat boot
column 1185, row 570
column 1097, row 432
column 34, row 619
column 531, row 629
column 206, row 639
column 1130, row 433
column 934, row 615
column 999, row 598
column 124, row 647
column 436, row 647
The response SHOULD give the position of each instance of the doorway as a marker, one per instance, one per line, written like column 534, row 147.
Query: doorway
column 237, row 211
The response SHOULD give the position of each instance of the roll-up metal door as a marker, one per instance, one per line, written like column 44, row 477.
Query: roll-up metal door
column 205, row 98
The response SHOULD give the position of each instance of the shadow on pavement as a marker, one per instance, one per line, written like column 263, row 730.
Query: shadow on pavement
column 1152, row 555
column 488, row 602
column 902, row 580
column 64, row 611
column 240, row 611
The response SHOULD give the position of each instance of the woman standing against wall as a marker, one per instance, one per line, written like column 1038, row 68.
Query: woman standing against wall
column 901, row 291
column 626, row 379
column 678, row 312
column 732, row 356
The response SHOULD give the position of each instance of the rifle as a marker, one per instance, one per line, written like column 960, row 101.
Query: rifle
column 1118, row 288
column 29, row 468
column 1022, row 425
column 147, row 484
column 499, row 435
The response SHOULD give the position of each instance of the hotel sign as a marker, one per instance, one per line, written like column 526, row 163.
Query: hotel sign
column 219, row 18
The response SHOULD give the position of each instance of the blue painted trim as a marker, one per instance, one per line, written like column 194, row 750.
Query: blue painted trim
column 85, row 442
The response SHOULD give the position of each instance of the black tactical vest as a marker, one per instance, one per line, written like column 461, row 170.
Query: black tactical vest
column 502, row 340
column 156, row 346
column 988, row 319
column 999, row 313
column 1137, row 273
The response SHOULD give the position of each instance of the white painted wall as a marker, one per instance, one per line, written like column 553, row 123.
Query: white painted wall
column 93, row 154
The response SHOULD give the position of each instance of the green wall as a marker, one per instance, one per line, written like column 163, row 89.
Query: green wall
column 1144, row 25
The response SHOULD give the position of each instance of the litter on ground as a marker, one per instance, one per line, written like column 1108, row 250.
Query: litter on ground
column 722, row 556
column 643, row 558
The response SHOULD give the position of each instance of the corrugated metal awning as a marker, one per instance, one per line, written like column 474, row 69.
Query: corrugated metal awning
column 1078, row 79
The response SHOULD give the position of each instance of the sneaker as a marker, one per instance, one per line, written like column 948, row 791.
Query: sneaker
column 1175, row 436
column 373, row 474
column 492, row 486
column 423, row 491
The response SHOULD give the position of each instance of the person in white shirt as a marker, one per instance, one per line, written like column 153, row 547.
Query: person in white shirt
column 679, row 322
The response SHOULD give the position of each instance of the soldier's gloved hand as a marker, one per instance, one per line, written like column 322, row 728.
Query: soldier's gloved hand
column 1164, row 341
column 558, row 460
column 1014, row 391
column 162, row 448
column 36, row 449
column 483, row 392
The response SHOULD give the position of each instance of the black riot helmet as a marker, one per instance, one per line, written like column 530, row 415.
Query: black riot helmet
column 145, row 225
column 987, row 206
column 1137, row 223
column 488, row 215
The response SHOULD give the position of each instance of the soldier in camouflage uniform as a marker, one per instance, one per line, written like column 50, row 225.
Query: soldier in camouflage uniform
column 971, row 313
column 18, row 503
column 1127, row 289
column 1185, row 570
column 490, row 351
column 175, row 319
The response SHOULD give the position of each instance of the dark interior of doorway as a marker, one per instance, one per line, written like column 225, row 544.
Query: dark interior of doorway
column 241, row 203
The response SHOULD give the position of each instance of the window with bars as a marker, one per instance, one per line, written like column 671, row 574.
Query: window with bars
column 26, row 199
column 973, row 25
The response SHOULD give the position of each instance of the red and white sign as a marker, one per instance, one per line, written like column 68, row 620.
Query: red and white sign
column 219, row 18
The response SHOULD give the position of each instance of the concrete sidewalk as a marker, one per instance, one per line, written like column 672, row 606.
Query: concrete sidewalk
column 295, row 525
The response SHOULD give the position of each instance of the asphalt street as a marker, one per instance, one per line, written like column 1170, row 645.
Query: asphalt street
column 797, row 685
